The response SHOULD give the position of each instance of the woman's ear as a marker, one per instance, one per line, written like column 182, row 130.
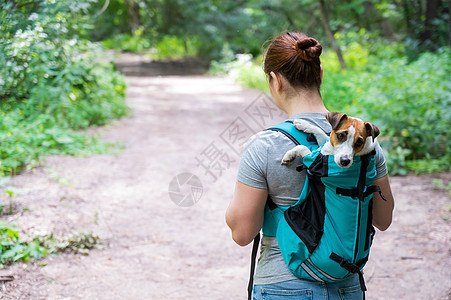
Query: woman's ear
column 277, row 81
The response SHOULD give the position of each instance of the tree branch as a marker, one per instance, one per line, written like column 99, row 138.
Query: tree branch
column 330, row 34
column 102, row 10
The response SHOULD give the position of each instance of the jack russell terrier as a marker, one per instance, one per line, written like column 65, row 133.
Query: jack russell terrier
column 349, row 137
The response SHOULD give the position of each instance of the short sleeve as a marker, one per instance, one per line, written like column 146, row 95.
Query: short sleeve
column 381, row 167
column 253, row 163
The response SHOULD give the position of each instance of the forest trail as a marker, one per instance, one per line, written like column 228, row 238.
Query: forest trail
column 156, row 249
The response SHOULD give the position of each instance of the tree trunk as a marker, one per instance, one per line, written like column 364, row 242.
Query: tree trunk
column 133, row 13
column 407, row 18
column 388, row 29
column 368, row 14
column 330, row 34
column 432, row 8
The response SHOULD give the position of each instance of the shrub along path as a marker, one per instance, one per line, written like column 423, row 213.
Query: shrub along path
column 155, row 249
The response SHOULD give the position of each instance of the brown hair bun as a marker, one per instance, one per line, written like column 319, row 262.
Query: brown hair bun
column 308, row 49
column 295, row 56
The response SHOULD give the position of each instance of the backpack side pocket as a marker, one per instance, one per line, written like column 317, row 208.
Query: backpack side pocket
column 306, row 219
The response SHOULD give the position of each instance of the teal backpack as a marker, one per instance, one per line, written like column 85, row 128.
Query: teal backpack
column 326, row 235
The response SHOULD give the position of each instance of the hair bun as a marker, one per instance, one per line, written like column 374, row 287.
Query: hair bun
column 308, row 49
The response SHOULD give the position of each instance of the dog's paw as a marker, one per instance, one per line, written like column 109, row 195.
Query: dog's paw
column 288, row 158
column 303, row 125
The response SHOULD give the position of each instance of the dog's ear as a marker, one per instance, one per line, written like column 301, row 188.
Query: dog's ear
column 335, row 119
column 372, row 130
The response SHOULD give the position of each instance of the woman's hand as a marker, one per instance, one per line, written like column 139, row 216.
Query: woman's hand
column 383, row 210
column 245, row 213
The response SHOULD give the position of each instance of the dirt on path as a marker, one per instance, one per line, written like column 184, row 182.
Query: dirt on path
column 156, row 246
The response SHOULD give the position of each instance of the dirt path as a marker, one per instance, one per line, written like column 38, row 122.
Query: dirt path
column 155, row 249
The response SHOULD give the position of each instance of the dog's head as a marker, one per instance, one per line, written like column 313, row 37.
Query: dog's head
column 349, row 137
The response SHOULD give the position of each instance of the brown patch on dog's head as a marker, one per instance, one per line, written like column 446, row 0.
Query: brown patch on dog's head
column 372, row 130
column 335, row 119
column 360, row 135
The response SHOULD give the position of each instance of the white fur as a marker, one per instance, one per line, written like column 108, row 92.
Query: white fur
column 299, row 150
column 307, row 127
column 345, row 149
column 328, row 149
column 369, row 146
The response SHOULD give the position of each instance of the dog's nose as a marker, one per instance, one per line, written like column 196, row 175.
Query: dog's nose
column 344, row 161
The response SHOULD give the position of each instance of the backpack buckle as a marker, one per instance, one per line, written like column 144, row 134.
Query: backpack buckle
column 353, row 193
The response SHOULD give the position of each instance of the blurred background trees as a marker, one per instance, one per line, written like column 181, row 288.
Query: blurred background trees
column 388, row 61
column 242, row 26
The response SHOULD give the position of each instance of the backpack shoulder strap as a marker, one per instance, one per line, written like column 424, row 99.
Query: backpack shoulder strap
column 298, row 137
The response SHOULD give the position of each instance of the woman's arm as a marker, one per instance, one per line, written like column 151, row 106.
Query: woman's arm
column 245, row 213
column 383, row 210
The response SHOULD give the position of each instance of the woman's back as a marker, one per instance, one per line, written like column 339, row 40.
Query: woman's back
column 260, row 168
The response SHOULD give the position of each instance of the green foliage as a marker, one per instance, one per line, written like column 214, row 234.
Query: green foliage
column 204, row 27
column 52, row 82
column 437, row 184
column 244, row 70
column 12, row 249
column 11, row 208
column 126, row 42
column 412, row 105
column 117, row 19
column 173, row 47
column 421, row 25
column 428, row 166
column 169, row 47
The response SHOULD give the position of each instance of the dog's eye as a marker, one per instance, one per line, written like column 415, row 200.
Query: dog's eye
column 341, row 136
column 359, row 142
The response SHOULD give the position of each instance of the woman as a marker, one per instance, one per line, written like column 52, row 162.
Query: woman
column 294, row 73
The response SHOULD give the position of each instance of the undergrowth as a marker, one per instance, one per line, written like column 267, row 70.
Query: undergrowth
column 13, row 249
column 54, row 83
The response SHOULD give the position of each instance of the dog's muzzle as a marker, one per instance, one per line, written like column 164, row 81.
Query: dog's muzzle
column 345, row 161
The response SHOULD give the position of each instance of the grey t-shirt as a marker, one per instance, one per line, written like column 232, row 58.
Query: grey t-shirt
column 260, row 168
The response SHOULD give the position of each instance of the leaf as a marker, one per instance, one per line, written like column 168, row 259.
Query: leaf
column 13, row 234
column 64, row 139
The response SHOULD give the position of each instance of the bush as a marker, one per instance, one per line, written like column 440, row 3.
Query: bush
column 169, row 47
column 52, row 82
column 172, row 47
column 127, row 42
column 243, row 69
column 410, row 103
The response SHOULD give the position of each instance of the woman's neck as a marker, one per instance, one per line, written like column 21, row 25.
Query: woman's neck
column 304, row 102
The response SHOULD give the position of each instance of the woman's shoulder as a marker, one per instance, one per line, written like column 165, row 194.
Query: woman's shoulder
column 265, row 139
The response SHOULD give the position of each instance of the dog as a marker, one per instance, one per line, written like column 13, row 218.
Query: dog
column 349, row 137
